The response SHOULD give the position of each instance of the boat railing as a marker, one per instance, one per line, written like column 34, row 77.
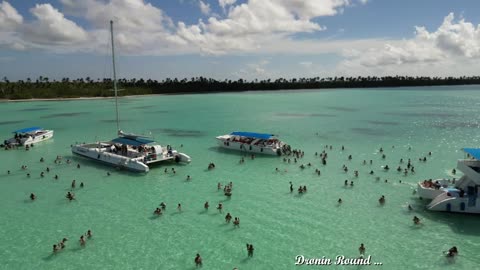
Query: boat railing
column 471, row 168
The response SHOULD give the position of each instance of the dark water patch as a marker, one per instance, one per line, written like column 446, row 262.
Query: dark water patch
column 385, row 123
column 305, row 115
column 113, row 120
column 64, row 114
column 420, row 105
column 369, row 131
column 180, row 132
column 456, row 124
column 34, row 109
column 342, row 109
column 422, row 114
column 143, row 107
column 11, row 122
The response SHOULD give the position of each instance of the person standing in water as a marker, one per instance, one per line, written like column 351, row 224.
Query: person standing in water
column 198, row 260
column 250, row 250
column 361, row 249
column 206, row 205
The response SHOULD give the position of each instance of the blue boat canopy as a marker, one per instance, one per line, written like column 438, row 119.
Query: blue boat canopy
column 26, row 130
column 474, row 152
column 252, row 135
column 132, row 141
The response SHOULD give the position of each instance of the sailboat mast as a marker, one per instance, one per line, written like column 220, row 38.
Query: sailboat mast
column 114, row 73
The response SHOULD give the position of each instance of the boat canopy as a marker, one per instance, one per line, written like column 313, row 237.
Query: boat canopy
column 132, row 141
column 26, row 130
column 252, row 135
column 474, row 152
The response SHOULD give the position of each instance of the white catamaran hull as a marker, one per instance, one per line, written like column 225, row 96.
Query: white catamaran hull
column 97, row 154
column 137, row 162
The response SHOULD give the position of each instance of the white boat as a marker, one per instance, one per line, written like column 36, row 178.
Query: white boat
column 461, row 196
column 130, row 151
column 28, row 136
column 250, row 142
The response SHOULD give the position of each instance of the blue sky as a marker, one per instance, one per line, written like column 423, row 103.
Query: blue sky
column 243, row 39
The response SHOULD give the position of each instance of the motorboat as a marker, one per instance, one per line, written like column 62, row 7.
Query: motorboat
column 251, row 142
column 28, row 136
column 460, row 196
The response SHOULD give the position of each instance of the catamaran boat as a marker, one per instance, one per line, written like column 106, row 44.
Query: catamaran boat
column 251, row 142
column 28, row 136
column 456, row 196
column 129, row 151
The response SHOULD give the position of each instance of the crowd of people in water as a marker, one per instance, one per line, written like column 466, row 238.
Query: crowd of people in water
column 62, row 244
column 405, row 167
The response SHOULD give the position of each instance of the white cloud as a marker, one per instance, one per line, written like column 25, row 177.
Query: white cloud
column 9, row 17
column 453, row 42
column 225, row 3
column 51, row 27
column 306, row 64
column 204, row 8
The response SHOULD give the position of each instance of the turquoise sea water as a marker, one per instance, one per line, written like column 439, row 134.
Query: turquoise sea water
column 281, row 225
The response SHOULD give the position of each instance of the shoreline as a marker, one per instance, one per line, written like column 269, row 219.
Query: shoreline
column 226, row 92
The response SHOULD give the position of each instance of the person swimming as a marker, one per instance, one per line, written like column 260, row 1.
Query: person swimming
column 340, row 201
column 382, row 200
column 89, row 234
column 219, row 207
column 32, row 196
column 73, row 183
column 82, row 241
column 206, row 205
column 236, row 222
column 416, row 220
column 163, row 206
column 452, row 252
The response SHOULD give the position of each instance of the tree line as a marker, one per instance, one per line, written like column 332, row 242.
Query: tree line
column 43, row 87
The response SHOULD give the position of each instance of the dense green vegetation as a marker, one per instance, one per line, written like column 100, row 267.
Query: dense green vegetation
column 67, row 88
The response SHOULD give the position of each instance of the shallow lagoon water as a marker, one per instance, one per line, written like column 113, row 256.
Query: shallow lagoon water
column 281, row 225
